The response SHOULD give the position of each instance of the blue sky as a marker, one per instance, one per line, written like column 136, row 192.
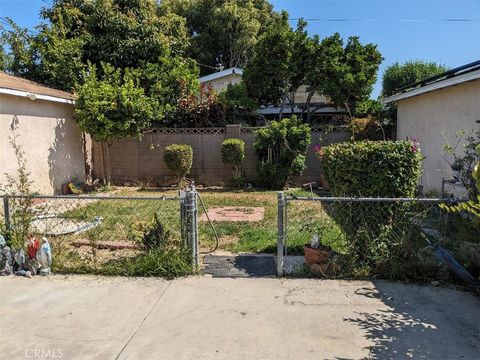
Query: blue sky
column 447, row 32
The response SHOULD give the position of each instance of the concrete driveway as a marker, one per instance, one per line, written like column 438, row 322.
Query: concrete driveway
column 83, row 317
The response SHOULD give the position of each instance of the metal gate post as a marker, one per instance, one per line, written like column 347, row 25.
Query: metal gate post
column 281, row 235
column 6, row 213
column 183, row 218
column 193, row 223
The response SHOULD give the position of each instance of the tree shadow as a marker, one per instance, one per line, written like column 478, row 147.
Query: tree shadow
column 66, row 158
column 420, row 322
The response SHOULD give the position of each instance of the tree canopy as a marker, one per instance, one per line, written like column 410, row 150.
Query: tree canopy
column 77, row 32
column 284, row 59
column 398, row 75
column 222, row 31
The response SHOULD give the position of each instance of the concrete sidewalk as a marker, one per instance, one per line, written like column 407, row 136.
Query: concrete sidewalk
column 83, row 317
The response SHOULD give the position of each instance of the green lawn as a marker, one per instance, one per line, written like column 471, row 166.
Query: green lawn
column 121, row 218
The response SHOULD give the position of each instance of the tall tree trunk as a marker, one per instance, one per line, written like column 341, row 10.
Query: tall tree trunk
column 87, row 158
column 282, row 107
column 109, row 167
column 309, row 100
column 105, row 162
column 102, row 156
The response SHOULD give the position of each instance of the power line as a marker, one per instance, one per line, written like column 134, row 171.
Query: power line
column 386, row 20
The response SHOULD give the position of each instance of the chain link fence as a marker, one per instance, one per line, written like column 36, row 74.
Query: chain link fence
column 360, row 237
column 103, row 234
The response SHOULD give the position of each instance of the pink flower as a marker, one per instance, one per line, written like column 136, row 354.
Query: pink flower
column 415, row 145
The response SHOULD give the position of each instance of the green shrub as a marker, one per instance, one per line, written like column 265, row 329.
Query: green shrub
column 233, row 153
column 178, row 159
column 281, row 149
column 379, row 234
column 150, row 235
column 372, row 168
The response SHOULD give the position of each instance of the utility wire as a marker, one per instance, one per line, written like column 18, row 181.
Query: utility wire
column 386, row 20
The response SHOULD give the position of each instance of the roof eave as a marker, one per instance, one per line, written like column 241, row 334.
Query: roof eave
column 470, row 76
column 34, row 96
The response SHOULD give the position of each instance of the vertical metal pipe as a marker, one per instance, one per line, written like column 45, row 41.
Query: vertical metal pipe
column 182, row 218
column 195, row 222
column 6, row 212
column 191, row 224
column 280, row 227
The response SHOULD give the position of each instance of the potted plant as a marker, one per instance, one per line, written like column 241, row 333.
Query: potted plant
column 316, row 253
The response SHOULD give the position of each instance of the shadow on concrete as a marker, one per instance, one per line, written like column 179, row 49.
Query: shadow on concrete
column 420, row 322
column 245, row 265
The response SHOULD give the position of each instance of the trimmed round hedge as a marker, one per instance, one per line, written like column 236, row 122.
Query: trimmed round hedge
column 178, row 159
column 372, row 168
column 233, row 153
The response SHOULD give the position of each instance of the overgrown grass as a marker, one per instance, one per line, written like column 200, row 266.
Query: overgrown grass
column 161, row 263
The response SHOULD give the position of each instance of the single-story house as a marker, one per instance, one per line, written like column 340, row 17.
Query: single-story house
column 221, row 79
column 432, row 111
column 42, row 120
column 319, row 104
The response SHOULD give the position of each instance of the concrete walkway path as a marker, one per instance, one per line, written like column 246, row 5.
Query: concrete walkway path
column 86, row 317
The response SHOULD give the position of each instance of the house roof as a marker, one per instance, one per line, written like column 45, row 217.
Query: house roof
column 220, row 74
column 17, row 86
column 462, row 74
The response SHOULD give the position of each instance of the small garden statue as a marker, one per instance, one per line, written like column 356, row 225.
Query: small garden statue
column 6, row 259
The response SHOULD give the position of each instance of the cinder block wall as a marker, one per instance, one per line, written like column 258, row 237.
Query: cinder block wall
column 135, row 160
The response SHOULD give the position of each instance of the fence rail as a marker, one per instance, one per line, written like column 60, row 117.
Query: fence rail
column 358, row 237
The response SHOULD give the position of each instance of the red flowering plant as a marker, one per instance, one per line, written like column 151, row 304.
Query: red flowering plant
column 200, row 109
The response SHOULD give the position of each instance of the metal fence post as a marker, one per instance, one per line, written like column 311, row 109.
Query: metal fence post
column 280, row 226
column 6, row 213
column 192, row 211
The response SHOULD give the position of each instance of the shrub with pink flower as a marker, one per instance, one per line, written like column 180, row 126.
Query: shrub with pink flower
column 415, row 145
column 318, row 151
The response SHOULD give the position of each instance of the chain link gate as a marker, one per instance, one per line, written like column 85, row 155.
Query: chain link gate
column 363, row 234
column 80, row 225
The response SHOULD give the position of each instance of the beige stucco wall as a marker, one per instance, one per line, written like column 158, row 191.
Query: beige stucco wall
column 222, row 83
column 135, row 160
column 51, row 140
column 433, row 119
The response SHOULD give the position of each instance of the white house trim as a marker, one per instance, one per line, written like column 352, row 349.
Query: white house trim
column 220, row 74
column 470, row 76
column 33, row 96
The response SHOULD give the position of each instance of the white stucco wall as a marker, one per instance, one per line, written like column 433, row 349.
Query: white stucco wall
column 433, row 118
column 51, row 140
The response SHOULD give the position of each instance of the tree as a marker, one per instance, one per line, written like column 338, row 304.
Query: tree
column 399, row 75
column 222, row 30
column 130, row 55
column 285, row 59
column 269, row 73
column 281, row 149
column 112, row 107
column 351, row 77
column 326, row 58
column 122, row 33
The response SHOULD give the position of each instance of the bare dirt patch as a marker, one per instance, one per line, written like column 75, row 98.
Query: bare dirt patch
column 234, row 214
